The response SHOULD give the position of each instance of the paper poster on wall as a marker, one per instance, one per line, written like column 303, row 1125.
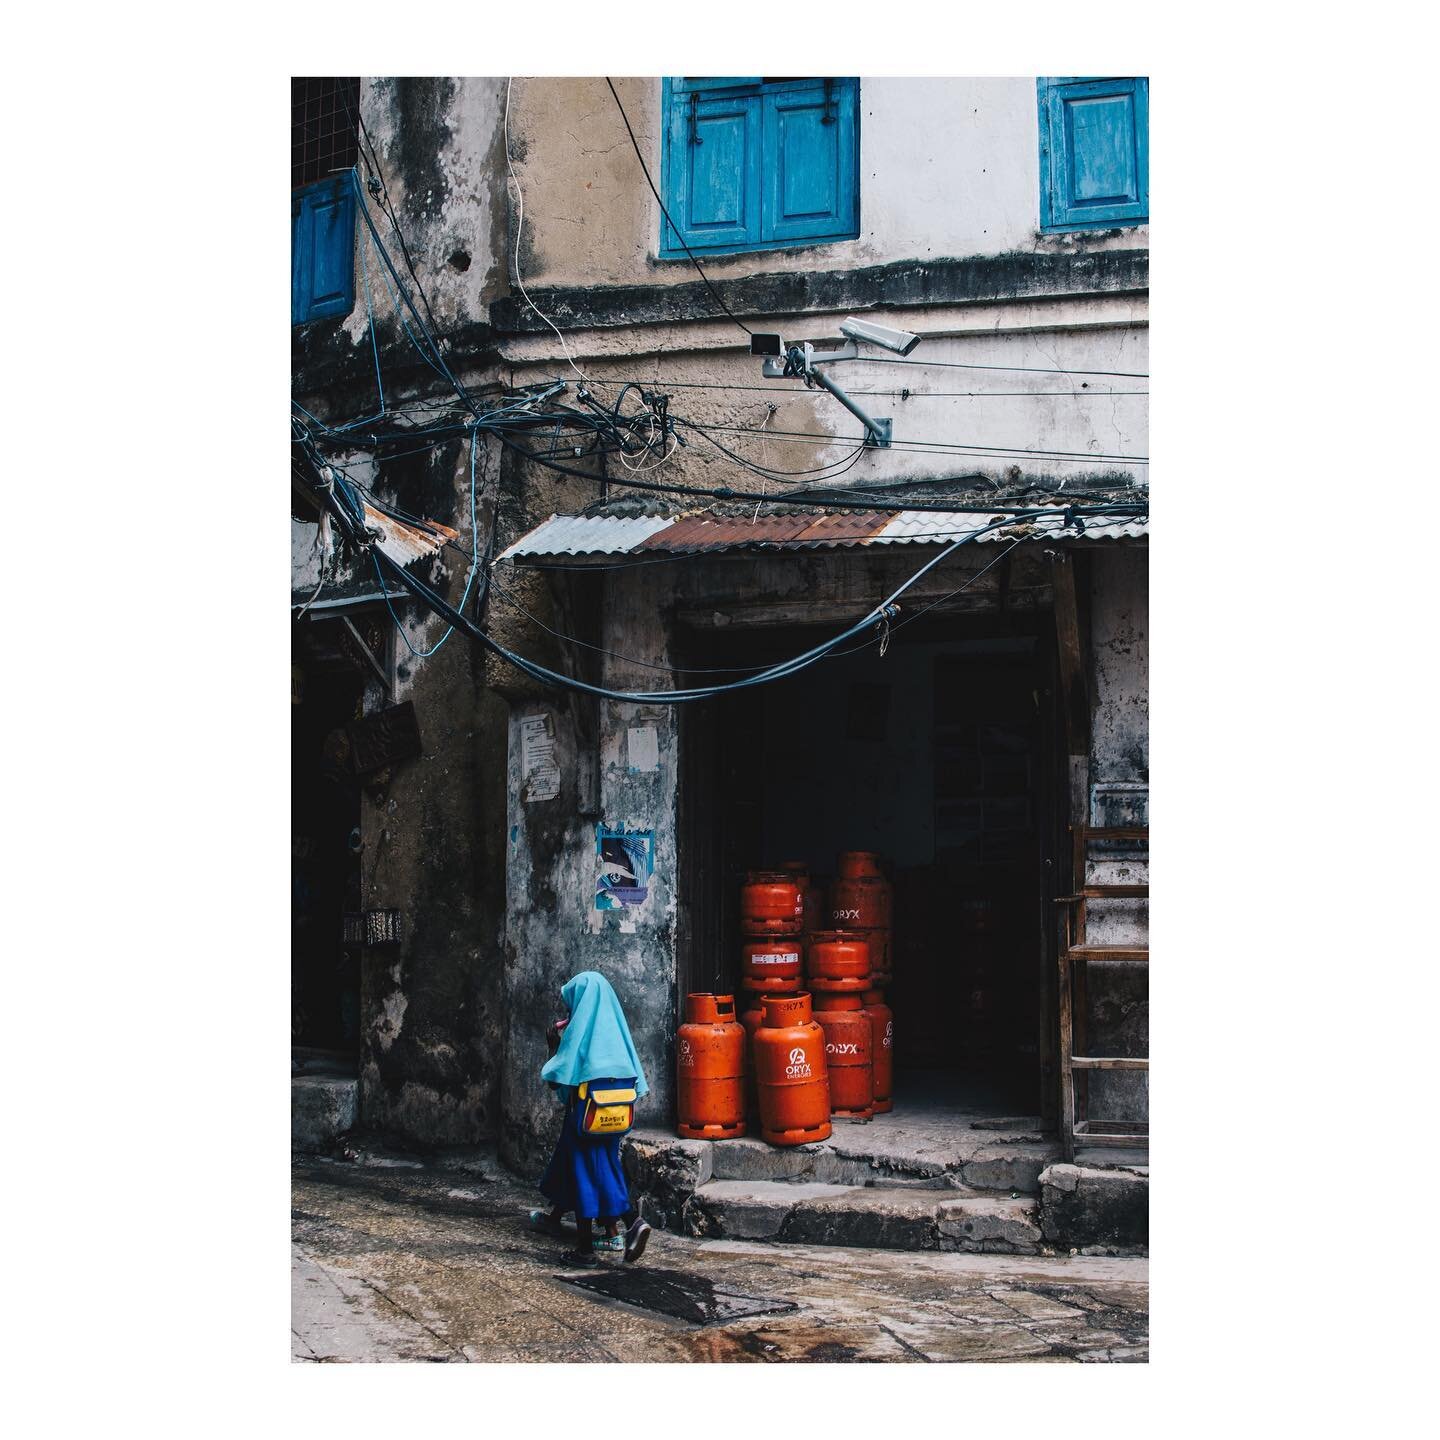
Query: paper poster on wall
column 624, row 861
column 539, row 765
column 644, row 747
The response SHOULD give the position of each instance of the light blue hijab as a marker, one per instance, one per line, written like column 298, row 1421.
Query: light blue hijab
column 596, row 1044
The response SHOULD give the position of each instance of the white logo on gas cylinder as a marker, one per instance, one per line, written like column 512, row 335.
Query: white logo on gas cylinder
column 847, row 914
column 686, row 1058
column 889, row 1032
column 798, row 1067
column 842, row 1047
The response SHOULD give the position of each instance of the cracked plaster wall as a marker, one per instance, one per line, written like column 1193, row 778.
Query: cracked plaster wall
column 948, row 166
column 1119, row 1008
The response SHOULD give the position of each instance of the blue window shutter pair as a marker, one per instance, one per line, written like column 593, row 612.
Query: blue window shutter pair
column 750, row 166
column 322, row 250
column 1094, row 153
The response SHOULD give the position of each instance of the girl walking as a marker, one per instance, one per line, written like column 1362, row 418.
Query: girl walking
column 598, row 1077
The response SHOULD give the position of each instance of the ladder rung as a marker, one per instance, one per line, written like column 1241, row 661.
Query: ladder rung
column 1108, row 892
column 1117, row 1132
column 1109, row 952
column 1107, row 1062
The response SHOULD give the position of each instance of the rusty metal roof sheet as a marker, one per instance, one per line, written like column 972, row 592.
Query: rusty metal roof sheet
column 405, row 543
column 704, row 532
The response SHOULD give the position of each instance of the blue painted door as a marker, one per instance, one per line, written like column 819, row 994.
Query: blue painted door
column 810, row 162
column 322, row 250
column 1094, row 152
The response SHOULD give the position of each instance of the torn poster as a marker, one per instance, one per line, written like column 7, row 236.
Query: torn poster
column 539, row 766
column 624, row 861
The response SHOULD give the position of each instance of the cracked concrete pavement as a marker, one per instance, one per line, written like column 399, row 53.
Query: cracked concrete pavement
column 398, row 1261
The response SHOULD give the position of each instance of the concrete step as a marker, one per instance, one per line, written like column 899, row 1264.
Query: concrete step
column 897, row 1156
column 883, row 1217
column 322, row 1108
column 827, row 1194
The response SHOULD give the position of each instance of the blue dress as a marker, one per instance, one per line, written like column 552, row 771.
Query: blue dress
column 585, row 1174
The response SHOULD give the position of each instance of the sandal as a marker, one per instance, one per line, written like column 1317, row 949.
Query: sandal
column 636, row 1239
column 579, row 1259
column 541, row 1220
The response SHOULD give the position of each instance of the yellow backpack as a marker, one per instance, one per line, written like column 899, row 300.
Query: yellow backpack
column 610, row 1111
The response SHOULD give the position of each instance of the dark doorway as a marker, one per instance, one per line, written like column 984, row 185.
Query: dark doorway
column 940, row 756
column 325, row 863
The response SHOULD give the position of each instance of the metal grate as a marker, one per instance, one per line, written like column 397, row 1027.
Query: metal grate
column 322, row 127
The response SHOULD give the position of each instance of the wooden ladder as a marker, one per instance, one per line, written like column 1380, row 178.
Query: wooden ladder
column 1075, row 954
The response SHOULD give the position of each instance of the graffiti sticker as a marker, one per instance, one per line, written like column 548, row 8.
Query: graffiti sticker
column 624, row 861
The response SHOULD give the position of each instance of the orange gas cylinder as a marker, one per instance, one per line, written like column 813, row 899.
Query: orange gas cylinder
column 881, row 948
column 838, row 960
column 882, row 1049
column 771, row 904
column 750, row 1018
column 771, row 966
column 848, row 1049
column 791, row 1075
column 860, row 902
column 858, row 864
column 811, row 894
column 710, row 1070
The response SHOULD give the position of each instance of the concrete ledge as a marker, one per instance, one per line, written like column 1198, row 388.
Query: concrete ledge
column 1094, row 1211
column 664, row 1172
column 322, row 1108
column 991, row 1225
column 872, row 1217
column 899, row 284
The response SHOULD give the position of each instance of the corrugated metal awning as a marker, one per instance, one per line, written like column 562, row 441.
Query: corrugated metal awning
column 406, row 542
column 704, row 532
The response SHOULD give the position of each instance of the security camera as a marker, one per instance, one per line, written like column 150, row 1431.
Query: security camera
column 902, row 342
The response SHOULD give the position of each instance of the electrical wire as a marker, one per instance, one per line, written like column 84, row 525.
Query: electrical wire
column 963, row 365
column 498, row 588
column 927, row 444
column 519, row 231
column 881, row 612
column 905, row 394
column 673, row 226
column 469, row 579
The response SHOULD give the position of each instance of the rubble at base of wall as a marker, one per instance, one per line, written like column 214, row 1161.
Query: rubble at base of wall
column 322, row 1109
column 1096, row 1212
column 664, row 1176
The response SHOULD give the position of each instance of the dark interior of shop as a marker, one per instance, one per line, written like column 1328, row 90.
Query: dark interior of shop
column 938, row 756
column 325, row 863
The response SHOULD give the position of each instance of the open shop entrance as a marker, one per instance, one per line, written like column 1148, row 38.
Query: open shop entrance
column 942, row 756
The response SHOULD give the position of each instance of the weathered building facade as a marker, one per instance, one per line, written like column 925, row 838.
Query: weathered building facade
column 1003, row 702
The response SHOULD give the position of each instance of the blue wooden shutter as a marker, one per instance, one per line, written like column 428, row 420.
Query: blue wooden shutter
column 1094, row 153
column 712, row 188
column 810, row 161
column 322, row 255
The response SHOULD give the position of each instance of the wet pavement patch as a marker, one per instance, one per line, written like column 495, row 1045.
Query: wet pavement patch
column 685, row 1297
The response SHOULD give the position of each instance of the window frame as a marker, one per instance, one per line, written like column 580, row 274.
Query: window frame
column 1056, row 216
column 713, row 88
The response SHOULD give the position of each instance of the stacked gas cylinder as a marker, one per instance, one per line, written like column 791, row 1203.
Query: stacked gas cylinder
column 817, row 1036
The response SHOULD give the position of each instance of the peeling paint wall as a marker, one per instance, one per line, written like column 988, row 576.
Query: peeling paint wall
column 948, row 166
column 1119, row 1007
column 553, row 928
column 500, row 889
